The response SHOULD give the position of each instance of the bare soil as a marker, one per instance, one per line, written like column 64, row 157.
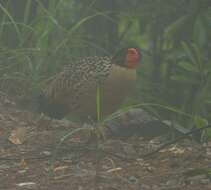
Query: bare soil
column 29, row 160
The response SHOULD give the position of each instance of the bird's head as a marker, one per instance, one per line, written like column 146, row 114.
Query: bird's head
column 127, row 57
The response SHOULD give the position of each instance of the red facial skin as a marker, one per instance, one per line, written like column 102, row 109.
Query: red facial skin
column 132, row 58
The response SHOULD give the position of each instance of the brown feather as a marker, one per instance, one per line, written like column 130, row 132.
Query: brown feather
column 74, row 89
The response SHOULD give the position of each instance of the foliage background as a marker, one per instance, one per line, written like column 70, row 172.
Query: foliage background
column 37, row 37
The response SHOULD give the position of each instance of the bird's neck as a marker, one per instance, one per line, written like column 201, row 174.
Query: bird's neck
column 123, row 72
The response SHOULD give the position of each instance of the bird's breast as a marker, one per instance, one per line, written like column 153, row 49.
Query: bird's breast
column 119, row 85
column 113, row 90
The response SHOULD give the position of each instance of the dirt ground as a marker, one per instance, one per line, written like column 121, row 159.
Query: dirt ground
column 31, row 158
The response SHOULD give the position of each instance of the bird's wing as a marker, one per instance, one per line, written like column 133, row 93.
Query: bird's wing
column 77, row 78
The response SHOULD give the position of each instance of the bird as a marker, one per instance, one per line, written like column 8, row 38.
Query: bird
column 73, row 90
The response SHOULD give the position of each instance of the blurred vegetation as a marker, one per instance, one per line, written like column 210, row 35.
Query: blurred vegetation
column 39, row 36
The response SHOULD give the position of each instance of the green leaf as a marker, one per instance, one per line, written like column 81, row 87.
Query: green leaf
column 98, row 103
column 173, row 29
column 198, row 55
column 176, row 126
column 183, row 79
column 188, row 66
column 76, row 26
column 209, row 133
column 189, row 53
column 199, row 32
column 199, row 121
column 126, row 109
column 6, row 12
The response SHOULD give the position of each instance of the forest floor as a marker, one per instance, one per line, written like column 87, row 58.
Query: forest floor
column 27, row 158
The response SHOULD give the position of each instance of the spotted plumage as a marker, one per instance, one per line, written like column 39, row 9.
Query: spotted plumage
column 74, row 89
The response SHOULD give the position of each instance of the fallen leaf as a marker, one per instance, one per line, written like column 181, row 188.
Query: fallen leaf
column 23, row 163
column 28, row 184
column 59, row 168
column 113, row 170
column 18, row 136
